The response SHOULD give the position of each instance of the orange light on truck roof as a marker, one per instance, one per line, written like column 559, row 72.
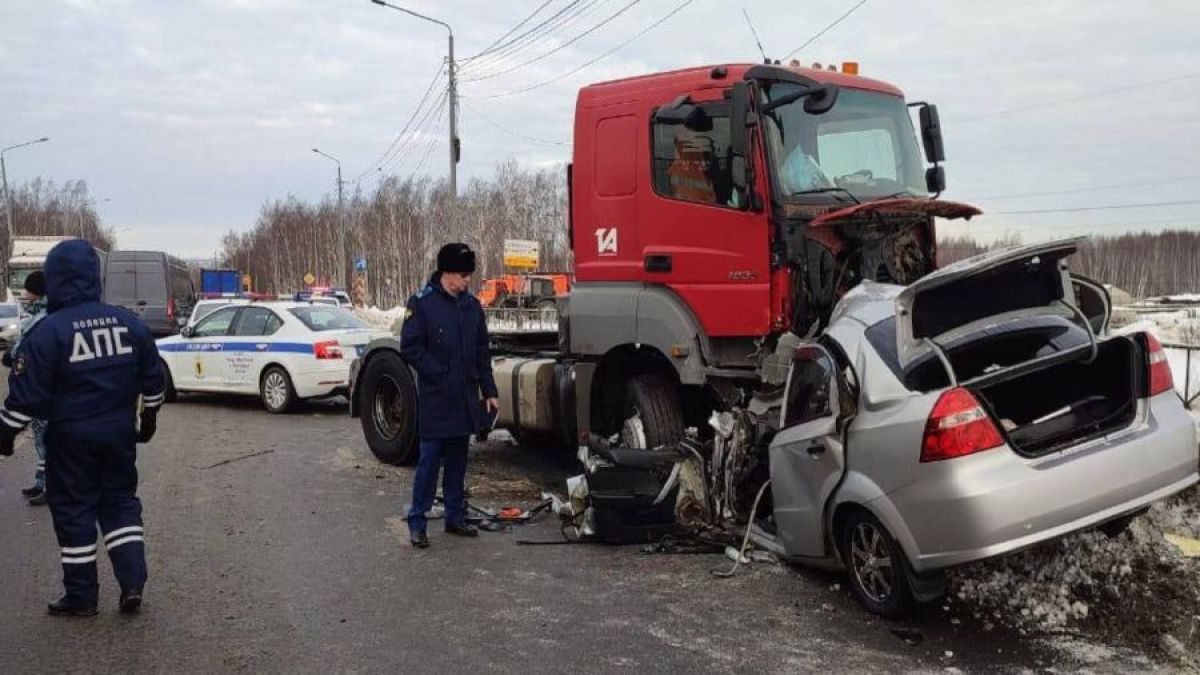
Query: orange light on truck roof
column 850, row 67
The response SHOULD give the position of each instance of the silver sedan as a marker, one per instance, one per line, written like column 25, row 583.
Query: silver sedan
column 976, row 412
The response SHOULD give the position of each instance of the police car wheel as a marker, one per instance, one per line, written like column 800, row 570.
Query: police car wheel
column 277, row 393
column 170, row 395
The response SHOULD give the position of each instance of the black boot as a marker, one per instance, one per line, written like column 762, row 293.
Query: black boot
column 31, row 492
column 462, row 530
column 131, row 601
column 39, row 500
column 64, row 606
column 419, row 540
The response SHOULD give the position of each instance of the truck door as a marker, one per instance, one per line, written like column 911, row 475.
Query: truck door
column 807, row 458
column 700, row 238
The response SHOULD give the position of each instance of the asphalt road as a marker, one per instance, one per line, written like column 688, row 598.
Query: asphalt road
column 275, row 545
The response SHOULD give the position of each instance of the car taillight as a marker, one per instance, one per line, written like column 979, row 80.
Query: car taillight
column 330, row 349
column 958, row 426
column 170, row 309
column 1160, row 370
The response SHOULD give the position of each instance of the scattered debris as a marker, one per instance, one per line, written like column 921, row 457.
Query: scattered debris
column 827, row 607
column 232, row 460
column 911, row 636
column 1188, row 546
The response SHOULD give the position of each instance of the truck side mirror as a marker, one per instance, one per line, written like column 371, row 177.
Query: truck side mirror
column 935, row 179
column 683, row 111
column 821, row 100
column 739, row 106
column 931, row 135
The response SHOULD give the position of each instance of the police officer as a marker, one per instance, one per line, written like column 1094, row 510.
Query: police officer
column 445, row 340
column 82, row 369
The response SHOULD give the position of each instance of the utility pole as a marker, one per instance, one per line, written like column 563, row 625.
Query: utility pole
column 451, row 100
column 7, row 194
column 341, row 271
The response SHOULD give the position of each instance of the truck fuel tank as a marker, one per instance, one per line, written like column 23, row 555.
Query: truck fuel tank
column 528, row 393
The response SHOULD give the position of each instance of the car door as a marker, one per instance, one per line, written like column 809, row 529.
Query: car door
column 807, row 457
column 202, row 366
column 246, row 351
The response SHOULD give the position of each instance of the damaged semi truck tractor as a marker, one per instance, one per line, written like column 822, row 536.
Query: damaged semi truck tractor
column 718, row 216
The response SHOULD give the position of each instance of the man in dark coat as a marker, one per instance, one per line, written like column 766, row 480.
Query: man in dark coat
column 82, row 369
column 445, row 340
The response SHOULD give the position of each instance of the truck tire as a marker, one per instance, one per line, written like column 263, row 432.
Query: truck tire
column 651, row 399
column 388, row 406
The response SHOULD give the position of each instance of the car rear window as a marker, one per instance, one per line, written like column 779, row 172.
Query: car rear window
column 319, row 318
column 1009, row 344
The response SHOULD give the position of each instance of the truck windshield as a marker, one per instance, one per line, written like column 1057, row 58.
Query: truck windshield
column 17, row 277
column 865, row 145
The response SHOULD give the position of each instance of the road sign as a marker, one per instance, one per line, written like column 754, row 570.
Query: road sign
column 247, row 283
column 309, row 279
column 360, row 264
column 521, row 253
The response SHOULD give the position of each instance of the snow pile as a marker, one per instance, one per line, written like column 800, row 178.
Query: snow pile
column 389, row 319
column 1136, row 578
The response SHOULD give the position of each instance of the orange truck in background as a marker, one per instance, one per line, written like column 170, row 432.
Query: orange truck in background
column 524, row 291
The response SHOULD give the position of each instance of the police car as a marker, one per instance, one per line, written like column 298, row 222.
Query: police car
column 283, row 352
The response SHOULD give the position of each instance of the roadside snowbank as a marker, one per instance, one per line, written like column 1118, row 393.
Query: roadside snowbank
column 388, row 319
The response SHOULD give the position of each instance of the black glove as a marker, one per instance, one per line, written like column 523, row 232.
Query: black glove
column 149, row 425
column 7, row 437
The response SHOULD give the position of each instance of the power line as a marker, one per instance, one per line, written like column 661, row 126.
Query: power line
column 1073, row 99
column 561, row 47
column 545, row 26
column 514, row 133
column 507, row 55
column 605, row 55
column 402, row 153
column 1107, row 207
column 826, row 29
column 400, row 136
column 512, row 30
column 1094, row 188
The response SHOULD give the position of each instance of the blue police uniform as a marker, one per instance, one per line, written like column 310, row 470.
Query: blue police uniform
column 445, row 340
column 82, row 369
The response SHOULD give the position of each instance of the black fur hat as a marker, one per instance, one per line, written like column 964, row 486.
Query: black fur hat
column 456, row 258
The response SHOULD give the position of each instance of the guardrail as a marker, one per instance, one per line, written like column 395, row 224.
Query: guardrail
column 507, row 320
column 1187, row 395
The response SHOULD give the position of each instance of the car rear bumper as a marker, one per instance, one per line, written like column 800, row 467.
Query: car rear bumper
column 996, row 502
column 328, row 381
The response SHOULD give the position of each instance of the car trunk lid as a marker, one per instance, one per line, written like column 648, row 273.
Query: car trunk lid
column 978, row 293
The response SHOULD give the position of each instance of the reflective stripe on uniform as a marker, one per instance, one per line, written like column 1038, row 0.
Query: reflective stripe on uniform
column 79, row 555
column 13, row 419
column 153, row 401
column 132, row 529
column 125, row 540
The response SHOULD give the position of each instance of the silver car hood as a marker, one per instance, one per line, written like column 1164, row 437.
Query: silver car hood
column 983, row 291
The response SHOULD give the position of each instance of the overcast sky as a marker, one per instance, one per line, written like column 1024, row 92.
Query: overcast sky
column 189, row 114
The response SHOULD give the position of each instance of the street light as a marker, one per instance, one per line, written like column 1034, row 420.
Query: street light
column 4, row 180
column 452, row 100
column 341, row 219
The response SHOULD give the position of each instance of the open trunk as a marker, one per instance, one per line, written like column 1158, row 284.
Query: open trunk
column 1067, row 403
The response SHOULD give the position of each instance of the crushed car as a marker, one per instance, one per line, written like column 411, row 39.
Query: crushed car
column 975, row 412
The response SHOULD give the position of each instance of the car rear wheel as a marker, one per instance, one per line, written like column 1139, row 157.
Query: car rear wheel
column 276, row 390
column 876, row 565
column 388, row 406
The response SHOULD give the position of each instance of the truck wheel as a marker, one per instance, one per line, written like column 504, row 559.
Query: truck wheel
column 876, row 566
column 170, row 395
column 276, row 391
column 389, row 410
column 653, row 418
